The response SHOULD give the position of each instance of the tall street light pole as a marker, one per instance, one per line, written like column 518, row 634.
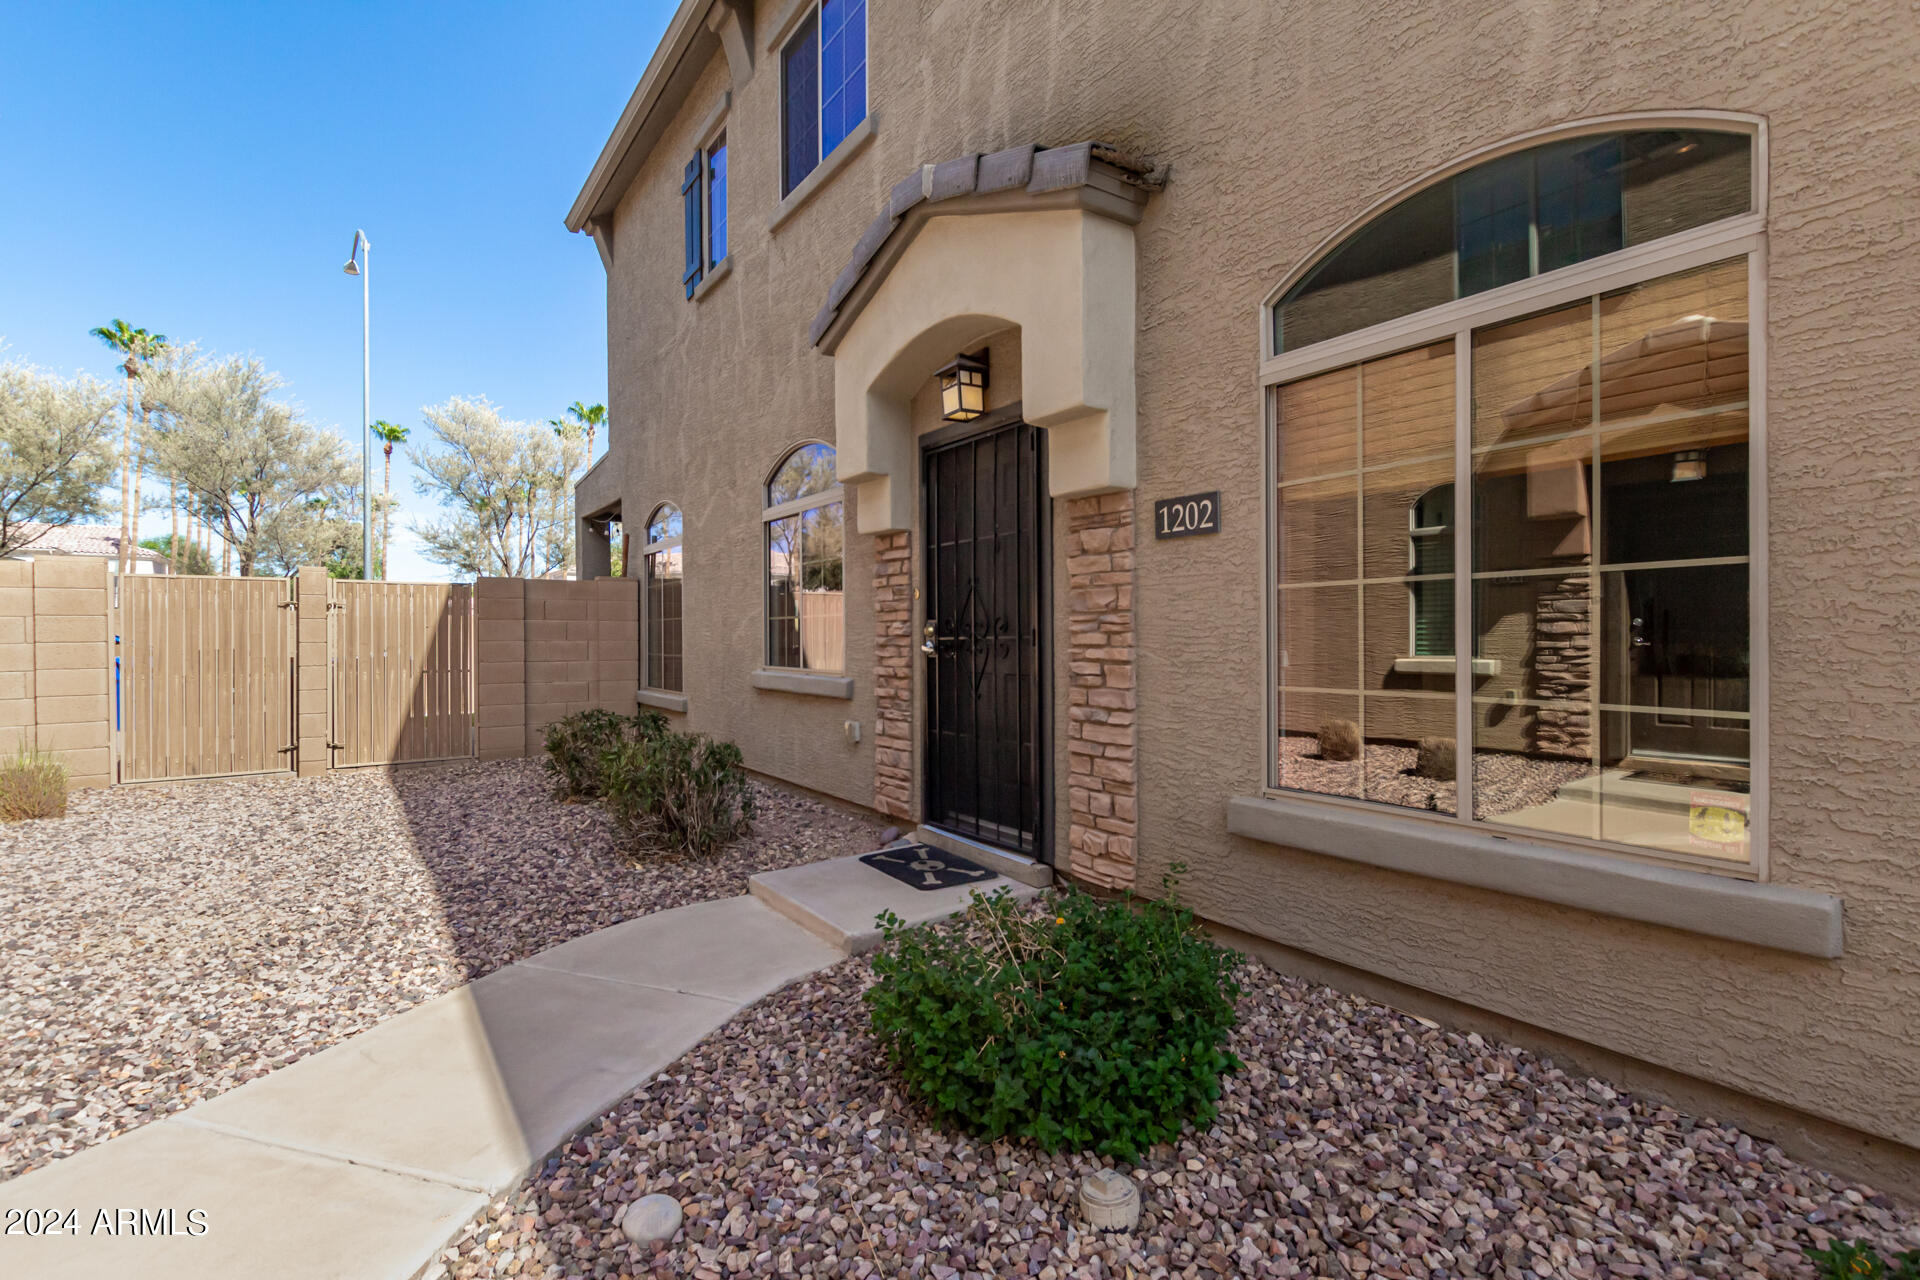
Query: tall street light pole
column 360, row 263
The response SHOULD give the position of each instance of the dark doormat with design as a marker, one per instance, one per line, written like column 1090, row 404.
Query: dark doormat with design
column 925, row 867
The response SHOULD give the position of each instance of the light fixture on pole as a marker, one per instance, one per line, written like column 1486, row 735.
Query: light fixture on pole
column 363, row 251
column 963, row 388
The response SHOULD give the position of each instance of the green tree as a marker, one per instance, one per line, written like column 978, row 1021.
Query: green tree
column 185, row 556
column 250, row 464
column 56, row 452
column 505, row 486
column 389, row 435
column 590, row 417
column 139, row 347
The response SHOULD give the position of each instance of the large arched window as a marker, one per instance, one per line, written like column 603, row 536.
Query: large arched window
column 805, row 569
column 663, row 570
column 1560, row 334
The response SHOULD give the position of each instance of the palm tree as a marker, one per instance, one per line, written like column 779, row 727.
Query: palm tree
column 138, row 346
column 590, row 416
column 389, row 435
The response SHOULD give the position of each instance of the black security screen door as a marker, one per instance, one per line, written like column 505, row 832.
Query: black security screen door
column 985, row 637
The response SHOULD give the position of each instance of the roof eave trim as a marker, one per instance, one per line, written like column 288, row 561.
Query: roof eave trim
column 605, row 180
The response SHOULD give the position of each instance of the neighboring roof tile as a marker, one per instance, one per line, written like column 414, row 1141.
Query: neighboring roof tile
column 80, row 540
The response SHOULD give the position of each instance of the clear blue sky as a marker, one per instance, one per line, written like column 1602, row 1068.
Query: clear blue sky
column 199, row 169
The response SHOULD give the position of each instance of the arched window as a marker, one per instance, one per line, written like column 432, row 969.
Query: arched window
column 1517, row 216
column 1548, row 472
column 663, row 568
column 805, row 570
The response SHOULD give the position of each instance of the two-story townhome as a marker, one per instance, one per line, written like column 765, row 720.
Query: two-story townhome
column 1449, row 478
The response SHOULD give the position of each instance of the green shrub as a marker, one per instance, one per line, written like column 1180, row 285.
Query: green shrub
column 679, row 791
column 1862, row 1262
column 1087, row 1025
column 32, row 785
column 576, row 743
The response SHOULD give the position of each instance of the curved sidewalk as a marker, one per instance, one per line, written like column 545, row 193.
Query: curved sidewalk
column 362, row 1160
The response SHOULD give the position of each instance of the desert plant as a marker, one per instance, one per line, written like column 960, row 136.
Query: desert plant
column 1854, row 1261
column 32, row 785
column 1340, row 740
column 1436, row 758
column 576, row 744
column 1088, row 1024
column 680, row 791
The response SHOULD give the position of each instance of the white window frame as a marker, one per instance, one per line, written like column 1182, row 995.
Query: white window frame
column 1728, row 238
column 781, row 42
column 677, row 541
column 797, row 507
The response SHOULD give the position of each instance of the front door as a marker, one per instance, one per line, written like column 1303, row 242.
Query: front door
column 985, row 636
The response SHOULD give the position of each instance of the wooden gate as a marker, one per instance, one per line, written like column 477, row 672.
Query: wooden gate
column 203, row 677
column 400, row 672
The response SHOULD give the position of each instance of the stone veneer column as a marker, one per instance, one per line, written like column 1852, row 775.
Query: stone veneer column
column 893, row 675
column 1101, row 752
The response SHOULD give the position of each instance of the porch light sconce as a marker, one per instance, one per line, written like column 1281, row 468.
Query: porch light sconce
column 1689, row 464
column 963, row 388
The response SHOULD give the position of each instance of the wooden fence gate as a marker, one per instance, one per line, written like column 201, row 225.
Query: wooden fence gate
column 203, row 677
column 400, row 672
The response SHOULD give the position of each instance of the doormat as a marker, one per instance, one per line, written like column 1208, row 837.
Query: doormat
column 925, row 867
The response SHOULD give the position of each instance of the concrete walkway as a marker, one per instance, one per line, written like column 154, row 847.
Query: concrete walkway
column 361, row 1161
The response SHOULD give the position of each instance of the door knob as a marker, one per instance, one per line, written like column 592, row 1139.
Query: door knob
column 928, row 644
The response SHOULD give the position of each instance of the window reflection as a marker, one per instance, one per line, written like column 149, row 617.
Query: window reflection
column 805, row 557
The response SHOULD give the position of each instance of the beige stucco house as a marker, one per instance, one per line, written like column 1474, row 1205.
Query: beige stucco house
column 1094, row 433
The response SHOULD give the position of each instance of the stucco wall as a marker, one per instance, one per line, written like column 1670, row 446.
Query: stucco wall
column 1283, row 123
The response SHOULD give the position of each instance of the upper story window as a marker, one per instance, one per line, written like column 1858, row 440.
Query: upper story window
column 1557, row 481
column 703, row 203
column 805, row 570
column 823, row 86
column 1514, row 217
column 662, row 572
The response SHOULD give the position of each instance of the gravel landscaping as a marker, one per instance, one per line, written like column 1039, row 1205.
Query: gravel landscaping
column 1358, row 1140
column 1503, row 782
column 165, row 944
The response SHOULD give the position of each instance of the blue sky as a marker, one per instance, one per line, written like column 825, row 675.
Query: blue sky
column 199, row 169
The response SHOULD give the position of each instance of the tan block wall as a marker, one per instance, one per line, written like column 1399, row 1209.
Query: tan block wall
column 1103, row 761
column 56, row 682
column 545, row 649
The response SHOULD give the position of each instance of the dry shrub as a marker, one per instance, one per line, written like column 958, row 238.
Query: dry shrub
column 32, row 785
column 1340, row 740
column 1437, row 759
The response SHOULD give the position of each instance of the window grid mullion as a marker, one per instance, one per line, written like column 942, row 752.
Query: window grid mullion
column 1463, row 618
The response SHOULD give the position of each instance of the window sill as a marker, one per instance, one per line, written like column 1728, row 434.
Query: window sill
column 832, row 163
column 664, row 701
column 1443, row 665
column 1762, row 915
column 715, row 274
column 809, row 683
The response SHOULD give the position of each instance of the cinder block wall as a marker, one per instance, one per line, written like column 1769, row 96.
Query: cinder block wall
column 546, row 649
column 56, row 689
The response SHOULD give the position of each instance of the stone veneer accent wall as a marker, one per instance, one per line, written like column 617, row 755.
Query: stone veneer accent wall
column 1102, row 769
column 893, row 675
column 1563, row 668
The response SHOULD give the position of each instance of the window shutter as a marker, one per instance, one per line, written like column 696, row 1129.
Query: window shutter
column 690, row 205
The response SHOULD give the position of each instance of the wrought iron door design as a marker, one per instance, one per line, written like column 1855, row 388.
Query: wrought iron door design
column 984, row 639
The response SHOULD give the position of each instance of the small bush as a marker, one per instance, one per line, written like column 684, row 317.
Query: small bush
column 576, row 744
column 1090, row 1025
column 1436, row 758
column 679, row 791
column 32, row 785
column 1340, row 740
column 1862, row 1262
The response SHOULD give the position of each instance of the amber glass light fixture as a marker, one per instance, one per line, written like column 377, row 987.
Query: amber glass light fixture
column 963, row 389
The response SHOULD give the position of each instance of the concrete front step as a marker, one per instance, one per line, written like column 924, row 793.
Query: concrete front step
column 1011, row 865
column 838, row 900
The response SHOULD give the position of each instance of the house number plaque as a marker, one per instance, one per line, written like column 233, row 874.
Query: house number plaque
column 1187, row 517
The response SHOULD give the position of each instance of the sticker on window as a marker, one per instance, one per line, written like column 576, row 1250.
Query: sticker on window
column 1717, row 820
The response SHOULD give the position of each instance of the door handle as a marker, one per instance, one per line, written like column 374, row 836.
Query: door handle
column 931, row 639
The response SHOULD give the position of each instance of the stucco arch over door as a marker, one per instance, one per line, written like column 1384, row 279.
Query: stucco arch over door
column 943, row 274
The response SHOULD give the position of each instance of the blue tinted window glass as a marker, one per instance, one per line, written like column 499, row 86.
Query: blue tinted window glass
column 1492, row 224
column 800, row 105
column 717, row 203
column 843, row 69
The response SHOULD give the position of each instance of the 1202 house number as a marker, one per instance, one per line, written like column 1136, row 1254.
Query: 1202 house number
column 1188, row 516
